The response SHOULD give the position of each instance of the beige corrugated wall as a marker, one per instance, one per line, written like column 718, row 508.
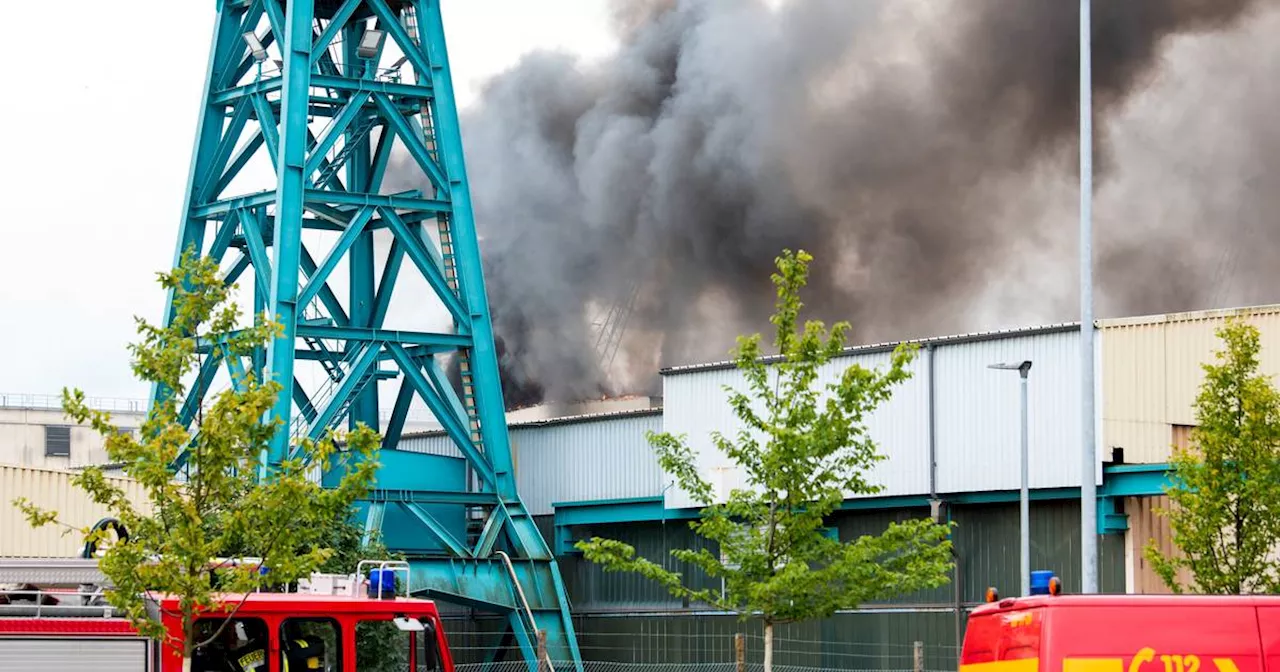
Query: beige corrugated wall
column 1145, row 525
column 1151, row 373
column 51, row 490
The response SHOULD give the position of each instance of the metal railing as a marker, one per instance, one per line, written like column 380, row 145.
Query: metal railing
column 53, row 402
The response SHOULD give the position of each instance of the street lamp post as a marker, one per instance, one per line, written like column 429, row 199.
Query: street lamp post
column 1024, row 503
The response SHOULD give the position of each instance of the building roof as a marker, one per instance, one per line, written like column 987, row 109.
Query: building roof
column 564, row 420
column 1191, row 316
column 873, row 348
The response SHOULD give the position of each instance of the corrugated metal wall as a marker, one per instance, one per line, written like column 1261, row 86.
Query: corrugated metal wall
column 1151, row 373
column 584, row 460
column 1147, row 525
column 51, row 490
column 977, row 416
column 985, row 539
column 978, row 430
column 431, row 443
column 695, row 404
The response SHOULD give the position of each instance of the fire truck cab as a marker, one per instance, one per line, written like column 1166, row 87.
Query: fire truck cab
column 332, row 623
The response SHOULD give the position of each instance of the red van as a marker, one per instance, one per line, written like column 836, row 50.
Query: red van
column 1124, row 633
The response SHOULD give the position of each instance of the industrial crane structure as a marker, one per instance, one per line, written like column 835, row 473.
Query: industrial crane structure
column 321, row 94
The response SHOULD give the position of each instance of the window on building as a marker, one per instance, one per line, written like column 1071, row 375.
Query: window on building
column 57, row 441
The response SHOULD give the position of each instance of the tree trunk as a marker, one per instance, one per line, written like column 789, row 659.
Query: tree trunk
column 768, row 646
column 186, row 664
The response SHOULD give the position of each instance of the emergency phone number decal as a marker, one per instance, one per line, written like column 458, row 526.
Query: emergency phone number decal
column 1146, row 660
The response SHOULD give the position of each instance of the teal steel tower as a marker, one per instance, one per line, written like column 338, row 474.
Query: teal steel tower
column 307, row 105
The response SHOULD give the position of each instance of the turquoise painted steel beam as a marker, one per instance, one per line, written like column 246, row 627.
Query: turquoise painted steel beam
column 440, row 531
column 387, row 285
column 484, row 359
column 1135, row 480
column 433, row 497
column 452, row 341
column 361, row 267
column 356, row 377
column 427, row 259
column 290, row 195
column 321, row 197
column 412, row 141
column 348, row 238
column 226, row 233
column 336, row 24
column 276, row 19
column 251, row 225
column 381, row 158
column 399, row 413
column 458, row 432
column 493, row 527
column 255, row 89
column 237, row 269
column 327, row 297
column 238, row 162
column 235, row 367
column 350, row 112
column 270, row 127
column 388, row 22
column 373, row 523
column 248, row 21
column 226, row 146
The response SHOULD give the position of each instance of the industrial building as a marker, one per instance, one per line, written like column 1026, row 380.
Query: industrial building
column 952, row 438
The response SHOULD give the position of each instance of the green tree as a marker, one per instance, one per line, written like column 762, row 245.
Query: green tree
column 803, row 449
column 225, row 499
column 1225, row 490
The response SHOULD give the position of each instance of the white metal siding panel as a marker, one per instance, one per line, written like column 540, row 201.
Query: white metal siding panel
column 78, row 655
column 431, row 444
column 608, row 458
column 978, row 435
column 50, row 490
column 695, row 404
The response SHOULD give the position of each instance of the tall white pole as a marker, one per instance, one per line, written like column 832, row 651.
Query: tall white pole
column 1024, row 499
column 1088, row 487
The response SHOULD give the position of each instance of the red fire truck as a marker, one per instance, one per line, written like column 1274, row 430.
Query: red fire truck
column 53, row 617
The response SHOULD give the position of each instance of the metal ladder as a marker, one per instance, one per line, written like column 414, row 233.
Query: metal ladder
column 476, row 516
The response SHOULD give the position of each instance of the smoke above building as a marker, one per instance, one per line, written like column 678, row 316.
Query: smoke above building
column 924, row 151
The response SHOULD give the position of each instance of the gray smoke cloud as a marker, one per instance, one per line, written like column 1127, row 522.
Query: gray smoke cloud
column 925, row 153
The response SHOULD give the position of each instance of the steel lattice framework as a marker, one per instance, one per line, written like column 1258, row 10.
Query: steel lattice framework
column 351, row 82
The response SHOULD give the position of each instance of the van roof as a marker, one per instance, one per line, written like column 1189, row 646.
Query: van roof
column 1066, row 601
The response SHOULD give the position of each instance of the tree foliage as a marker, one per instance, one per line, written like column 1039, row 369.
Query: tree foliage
column 1225, row 491
column 226, row 499
column 803, row 448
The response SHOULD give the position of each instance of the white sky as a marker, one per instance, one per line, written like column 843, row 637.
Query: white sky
column 97, row 143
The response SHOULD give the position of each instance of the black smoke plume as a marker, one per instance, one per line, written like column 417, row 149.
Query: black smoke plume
column 925, row 152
